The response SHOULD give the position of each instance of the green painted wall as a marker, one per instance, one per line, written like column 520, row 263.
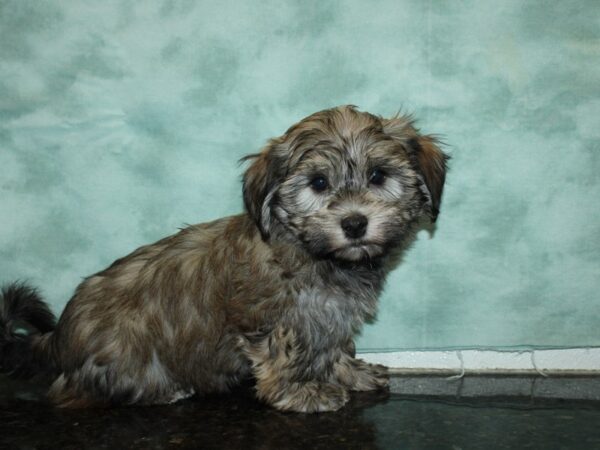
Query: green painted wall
column 122, row 120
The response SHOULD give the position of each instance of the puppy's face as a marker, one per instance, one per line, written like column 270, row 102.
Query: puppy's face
column 346, row 184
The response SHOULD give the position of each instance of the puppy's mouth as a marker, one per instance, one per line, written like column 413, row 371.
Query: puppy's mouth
column 358, row 251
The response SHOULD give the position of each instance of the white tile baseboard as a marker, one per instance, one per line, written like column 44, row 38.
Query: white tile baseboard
column 572, row 361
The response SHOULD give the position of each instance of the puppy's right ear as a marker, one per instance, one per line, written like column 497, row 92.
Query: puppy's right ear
column 261, row 181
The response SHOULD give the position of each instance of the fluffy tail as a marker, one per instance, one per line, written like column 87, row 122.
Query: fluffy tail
column 26, row 324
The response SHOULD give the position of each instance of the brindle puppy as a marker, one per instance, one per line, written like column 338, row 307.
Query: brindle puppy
column 276, row 293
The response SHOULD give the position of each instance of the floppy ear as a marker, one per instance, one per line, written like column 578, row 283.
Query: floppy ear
column 426, row 156
column 260, row 181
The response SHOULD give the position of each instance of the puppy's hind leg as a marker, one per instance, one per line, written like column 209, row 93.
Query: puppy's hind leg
column 97, row 384
column 284, row 380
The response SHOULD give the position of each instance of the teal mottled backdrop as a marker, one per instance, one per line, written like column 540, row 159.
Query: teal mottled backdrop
column 122, row 120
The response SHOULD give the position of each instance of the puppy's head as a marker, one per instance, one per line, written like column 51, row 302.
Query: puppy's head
column 345, row 183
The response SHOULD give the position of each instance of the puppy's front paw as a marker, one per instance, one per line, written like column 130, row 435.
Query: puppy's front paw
column 358, row 375
column 380, row 375
column 313, row 397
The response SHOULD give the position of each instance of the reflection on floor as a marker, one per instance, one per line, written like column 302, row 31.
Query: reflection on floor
column 414, row 420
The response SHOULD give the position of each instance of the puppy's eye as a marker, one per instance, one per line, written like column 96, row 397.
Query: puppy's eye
column 319, row 183
column 377, row 177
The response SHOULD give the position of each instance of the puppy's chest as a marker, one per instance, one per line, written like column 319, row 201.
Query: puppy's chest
column 326, row 313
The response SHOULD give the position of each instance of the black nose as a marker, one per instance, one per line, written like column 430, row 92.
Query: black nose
column 355, row 226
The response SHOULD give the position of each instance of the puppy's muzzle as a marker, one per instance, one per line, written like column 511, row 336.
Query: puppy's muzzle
column 354, row 226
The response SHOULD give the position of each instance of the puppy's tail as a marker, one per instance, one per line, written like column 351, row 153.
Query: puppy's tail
column 26, row 325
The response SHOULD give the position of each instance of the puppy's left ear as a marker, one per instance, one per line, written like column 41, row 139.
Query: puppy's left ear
column 426, row 156
column 260, row 184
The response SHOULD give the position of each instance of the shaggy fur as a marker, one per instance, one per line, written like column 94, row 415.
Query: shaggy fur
column 276, row 293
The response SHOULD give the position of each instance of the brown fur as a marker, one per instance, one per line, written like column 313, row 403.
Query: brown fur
column 276, row 293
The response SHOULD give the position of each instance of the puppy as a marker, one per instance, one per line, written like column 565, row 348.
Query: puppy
column 276, row 293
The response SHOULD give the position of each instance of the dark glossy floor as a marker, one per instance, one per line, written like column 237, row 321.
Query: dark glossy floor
column 237, row 421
